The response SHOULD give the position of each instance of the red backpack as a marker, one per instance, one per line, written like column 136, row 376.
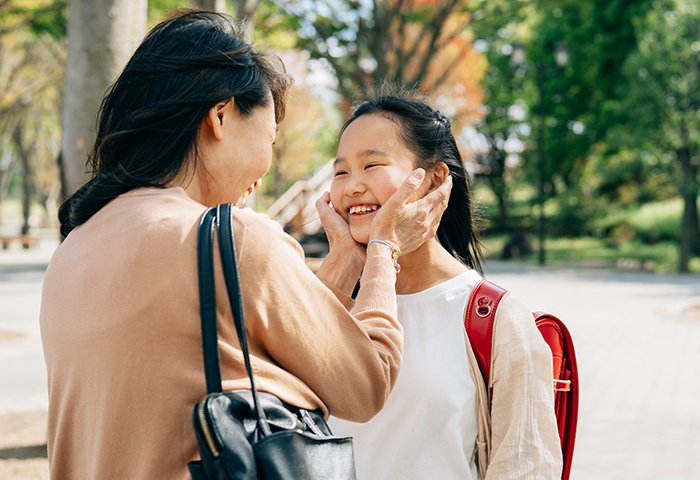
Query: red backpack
column 478, row 322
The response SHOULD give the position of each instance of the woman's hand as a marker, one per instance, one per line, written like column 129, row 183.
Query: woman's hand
column 346, row 258
column 410, row 225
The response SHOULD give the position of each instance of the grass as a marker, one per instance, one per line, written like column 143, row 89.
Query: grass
column 660, row 257
column 639, row 237
column 651, row 222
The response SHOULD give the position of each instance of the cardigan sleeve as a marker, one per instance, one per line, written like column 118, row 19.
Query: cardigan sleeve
column 350, row 361
column 524, row 437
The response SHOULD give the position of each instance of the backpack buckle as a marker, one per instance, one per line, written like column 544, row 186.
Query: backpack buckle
column 562, row 385
column 483, row 308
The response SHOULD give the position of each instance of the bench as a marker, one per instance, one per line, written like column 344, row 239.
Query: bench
column 26, row 240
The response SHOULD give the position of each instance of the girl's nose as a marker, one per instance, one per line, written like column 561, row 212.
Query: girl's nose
column 354, row 186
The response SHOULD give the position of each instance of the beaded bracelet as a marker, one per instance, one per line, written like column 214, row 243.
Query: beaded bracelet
column 395, row 252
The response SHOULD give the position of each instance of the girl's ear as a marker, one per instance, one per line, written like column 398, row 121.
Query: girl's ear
column 438, row 175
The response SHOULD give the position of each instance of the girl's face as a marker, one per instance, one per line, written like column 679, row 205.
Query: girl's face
column 370, row 166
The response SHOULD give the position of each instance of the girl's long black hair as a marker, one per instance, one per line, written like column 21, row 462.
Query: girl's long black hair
column 149, row 120
column 427, row 133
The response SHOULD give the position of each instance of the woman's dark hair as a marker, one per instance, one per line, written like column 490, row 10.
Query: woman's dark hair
column 427, row 133
column 149, row 120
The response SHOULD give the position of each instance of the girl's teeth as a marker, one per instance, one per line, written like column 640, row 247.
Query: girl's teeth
column 362, row 209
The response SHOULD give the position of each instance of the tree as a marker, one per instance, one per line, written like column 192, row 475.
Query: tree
column 663, row 101
column 424, row 44
column 211, row 5
column 580, row 103
column 31, row 70
column 244, row 9
column 101, row 36
column 504, row 124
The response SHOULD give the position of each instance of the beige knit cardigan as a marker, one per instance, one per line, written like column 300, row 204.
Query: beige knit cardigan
column 120, row 327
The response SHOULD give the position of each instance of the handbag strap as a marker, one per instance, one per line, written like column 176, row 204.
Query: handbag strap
column 207, row 301
column 212, row 367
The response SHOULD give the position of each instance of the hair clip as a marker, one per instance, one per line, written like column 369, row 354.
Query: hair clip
column 440, row 117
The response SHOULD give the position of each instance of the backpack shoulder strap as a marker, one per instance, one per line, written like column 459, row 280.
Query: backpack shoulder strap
column 479, row 319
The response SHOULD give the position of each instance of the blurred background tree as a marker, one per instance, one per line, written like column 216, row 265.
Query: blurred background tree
column 101, row 37
column 612, row 137
column 32, row 63
column 662, row 104
column 424, row 44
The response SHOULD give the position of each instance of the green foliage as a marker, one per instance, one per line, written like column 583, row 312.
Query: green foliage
column 579, row 103
column 650, row 223
column 662, row 77
column 158, row 9
column 48, row 16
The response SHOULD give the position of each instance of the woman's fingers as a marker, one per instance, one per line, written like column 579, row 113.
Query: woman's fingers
column 407, row 188
column 331, row 221
column 434, row 205
column 419, row 221
column 335, row 226
column 340, row 241
column 392, row 213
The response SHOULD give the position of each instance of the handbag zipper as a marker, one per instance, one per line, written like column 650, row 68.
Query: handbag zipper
column 204, row 425
column 310, row 422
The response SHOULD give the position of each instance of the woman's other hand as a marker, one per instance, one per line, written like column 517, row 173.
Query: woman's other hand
column 409, row 225
column 346, row 259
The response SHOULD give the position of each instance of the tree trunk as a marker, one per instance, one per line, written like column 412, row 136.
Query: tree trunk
column 499, row 187
column 102, row 34
column 689, row 191
column 27, row 177
column 210, row 5
column 690, row 214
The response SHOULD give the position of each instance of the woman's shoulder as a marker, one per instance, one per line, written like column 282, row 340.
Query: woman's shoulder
column 260, row 234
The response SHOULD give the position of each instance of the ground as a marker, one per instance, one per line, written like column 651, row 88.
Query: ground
column 637, row 338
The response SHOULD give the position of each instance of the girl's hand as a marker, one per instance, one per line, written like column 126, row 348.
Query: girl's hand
column 410, row 225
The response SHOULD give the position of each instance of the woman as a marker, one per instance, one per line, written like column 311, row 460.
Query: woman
column 189, row 124
column 429, row 427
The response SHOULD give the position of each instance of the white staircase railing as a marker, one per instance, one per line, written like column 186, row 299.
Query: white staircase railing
column 296, row 208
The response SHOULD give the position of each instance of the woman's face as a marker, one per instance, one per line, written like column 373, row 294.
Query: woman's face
column 236, row 151
column 370, row 166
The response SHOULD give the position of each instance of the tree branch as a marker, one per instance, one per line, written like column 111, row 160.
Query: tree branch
column 435, row 28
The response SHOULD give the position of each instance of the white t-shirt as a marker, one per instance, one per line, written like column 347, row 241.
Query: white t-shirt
column 427, row 430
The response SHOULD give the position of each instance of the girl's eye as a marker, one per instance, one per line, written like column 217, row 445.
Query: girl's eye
column 338, row 173
column 371, row 165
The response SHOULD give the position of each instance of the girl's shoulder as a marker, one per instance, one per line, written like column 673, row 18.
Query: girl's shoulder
column 515, row 327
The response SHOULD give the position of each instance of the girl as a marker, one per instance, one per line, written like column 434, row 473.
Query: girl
column 428, row 428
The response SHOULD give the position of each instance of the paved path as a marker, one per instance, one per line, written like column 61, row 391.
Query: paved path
column 637, row 337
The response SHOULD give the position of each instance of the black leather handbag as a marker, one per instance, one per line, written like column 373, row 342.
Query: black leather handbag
column 246, row 434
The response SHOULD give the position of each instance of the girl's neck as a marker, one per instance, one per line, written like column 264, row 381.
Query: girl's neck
column 426, row 267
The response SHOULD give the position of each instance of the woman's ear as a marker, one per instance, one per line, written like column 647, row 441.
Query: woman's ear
column 217, row 116
column 438, row 175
